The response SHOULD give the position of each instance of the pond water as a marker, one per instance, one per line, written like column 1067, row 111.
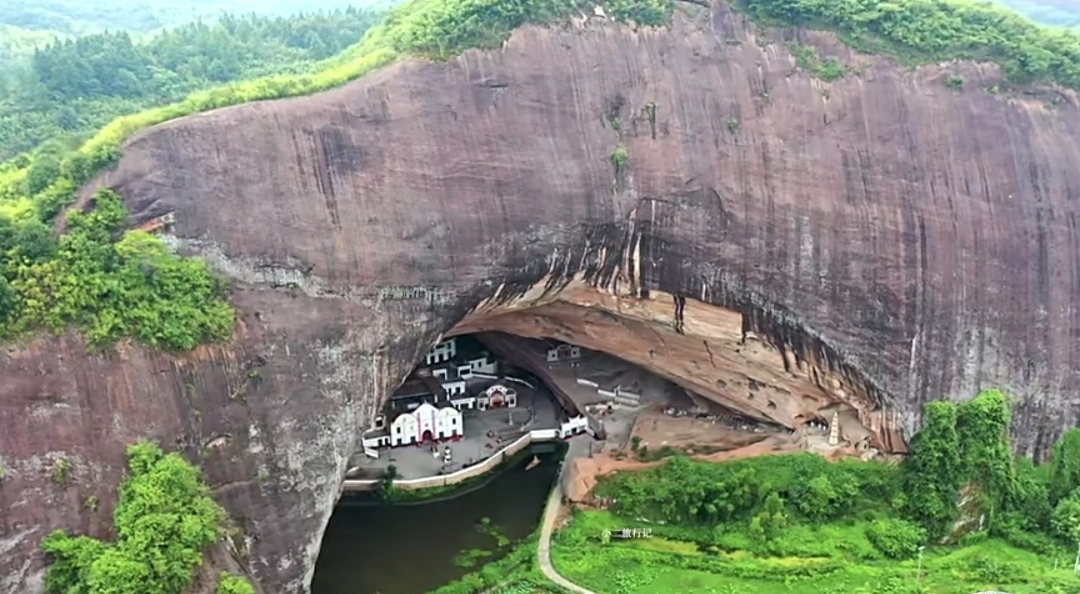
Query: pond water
column 411, row 549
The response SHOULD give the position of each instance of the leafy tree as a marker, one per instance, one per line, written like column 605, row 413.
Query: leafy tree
column 164, row 521
column 1065, row 520
column 982, row 425
column 918, row 32
column 1065, row 466
column 772, row 516
column 112, row 284
column 932, row 472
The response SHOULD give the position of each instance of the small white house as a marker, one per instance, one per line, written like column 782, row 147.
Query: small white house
column 574, row 426
column 442, row 351
column 484, row 364
column 497, row 396
column 426, row 423
column 465, row 401
column 563, row 352
column 454, row 388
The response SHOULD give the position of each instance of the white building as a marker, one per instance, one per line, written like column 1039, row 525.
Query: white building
column 454, row 378
column 484, row 364
column 426, row 423
column 497, row 396
column 442, row 351
column 574, row 426
column 563, row 352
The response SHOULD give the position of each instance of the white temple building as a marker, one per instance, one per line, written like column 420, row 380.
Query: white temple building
column 426, row 423
column 497, row 396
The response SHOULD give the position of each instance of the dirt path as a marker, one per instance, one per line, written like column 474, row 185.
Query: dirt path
column 551, row 513
column 576, row 451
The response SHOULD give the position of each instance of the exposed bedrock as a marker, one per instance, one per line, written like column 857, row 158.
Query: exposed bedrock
column 878, row 241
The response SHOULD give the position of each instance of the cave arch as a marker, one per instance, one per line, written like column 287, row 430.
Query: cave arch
column 714, row 351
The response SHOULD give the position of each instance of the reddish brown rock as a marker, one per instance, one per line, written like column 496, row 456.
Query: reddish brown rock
column 892, row 239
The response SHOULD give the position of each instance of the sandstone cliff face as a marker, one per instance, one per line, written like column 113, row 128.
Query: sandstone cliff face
column 891, row 240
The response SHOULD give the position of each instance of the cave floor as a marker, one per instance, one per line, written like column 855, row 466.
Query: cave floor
column 694, row 435
column 415, row 461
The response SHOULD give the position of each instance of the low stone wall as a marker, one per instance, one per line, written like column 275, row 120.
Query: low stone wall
column 463, row 474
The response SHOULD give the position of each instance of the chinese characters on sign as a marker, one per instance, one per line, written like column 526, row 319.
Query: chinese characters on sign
column 628, row 533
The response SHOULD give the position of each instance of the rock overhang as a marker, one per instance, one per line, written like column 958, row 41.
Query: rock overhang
column 879, row 226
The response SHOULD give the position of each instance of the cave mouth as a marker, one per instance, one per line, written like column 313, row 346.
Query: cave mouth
column 725, row 361
column 472, row 394
column 503, row 387
column 645, row 379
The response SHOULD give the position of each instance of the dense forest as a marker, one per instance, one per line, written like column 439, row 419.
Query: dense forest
column 961, row 466
column 70, row 88
column 75, row 17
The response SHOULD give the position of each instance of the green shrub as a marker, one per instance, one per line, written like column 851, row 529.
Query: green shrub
column 113, row 284
column 699, row 493
column 829, row 70
column 164, row 521
column 229, row 583
column 896, row 539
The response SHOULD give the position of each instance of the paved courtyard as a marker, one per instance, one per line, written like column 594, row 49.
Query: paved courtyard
column 535, row 410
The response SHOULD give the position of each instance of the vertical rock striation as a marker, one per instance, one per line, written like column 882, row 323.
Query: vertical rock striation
column 908, row 240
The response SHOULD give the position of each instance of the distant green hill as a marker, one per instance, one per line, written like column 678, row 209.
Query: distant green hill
column 79, row 17
column 1062, row 13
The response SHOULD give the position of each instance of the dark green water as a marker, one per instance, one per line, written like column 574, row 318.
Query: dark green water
column 376, row 549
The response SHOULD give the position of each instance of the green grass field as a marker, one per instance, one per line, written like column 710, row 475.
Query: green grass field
column 831, row 559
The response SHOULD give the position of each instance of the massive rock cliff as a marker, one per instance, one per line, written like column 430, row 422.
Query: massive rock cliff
column 772, row 241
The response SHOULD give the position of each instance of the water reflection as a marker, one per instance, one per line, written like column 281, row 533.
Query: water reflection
column 411, row 549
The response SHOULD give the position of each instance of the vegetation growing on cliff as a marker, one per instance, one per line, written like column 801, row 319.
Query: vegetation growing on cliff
column 921, row 31
column 69, row 88
column 107, row 282
column 164, row 521
column 35, row 189
column 800, row 524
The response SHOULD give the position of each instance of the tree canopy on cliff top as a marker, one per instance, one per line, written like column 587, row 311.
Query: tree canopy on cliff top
column 68, row 89
column 35, row 188
column 921, row 31
column 113, row 285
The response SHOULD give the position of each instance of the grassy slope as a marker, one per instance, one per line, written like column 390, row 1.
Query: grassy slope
column 832, row 559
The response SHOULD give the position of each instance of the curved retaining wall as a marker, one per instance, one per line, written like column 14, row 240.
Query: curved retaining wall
column 463, row 474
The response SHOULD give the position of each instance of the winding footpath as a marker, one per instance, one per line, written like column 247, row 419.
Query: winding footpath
column 547, row 526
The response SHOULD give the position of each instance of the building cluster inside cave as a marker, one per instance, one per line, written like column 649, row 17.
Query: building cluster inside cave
column 472, row 395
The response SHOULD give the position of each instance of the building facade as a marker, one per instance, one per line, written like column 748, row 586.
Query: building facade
column 563, row 352
column 441, row 352
column 497, row 396
column 426, row 423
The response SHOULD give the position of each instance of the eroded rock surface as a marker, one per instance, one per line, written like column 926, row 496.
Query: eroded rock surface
column 906, row 240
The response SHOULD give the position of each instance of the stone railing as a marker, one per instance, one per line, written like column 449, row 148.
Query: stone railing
column 463, row 474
